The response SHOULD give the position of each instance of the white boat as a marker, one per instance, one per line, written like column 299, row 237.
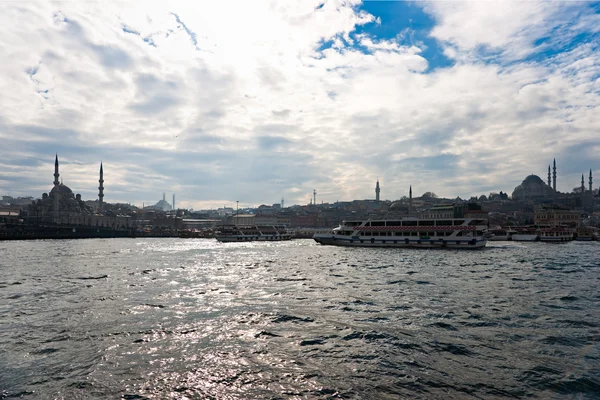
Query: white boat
column 555, row 234
column 501, row 234
column 254, row 233
column 463, row 233
column 525, row 235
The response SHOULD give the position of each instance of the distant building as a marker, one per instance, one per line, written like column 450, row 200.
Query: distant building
column 532, row 188
column 62, row 206
column 243, row 219
column 163, row 205
column 61, row 202
column 442, row 211
column 265, row 219
column 555, row 215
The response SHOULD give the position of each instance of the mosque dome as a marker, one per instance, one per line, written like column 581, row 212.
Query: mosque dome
column 64, row 190
column 532, row 187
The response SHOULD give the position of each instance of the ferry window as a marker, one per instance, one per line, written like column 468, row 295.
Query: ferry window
column 378, row 223
column 459, row 221
column 393, row 223
column 409, row 223
column 426, row 223
column 398, row 234
column 430, row 234
column 443, row 222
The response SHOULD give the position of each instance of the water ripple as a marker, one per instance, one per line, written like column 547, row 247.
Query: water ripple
column 174, row 318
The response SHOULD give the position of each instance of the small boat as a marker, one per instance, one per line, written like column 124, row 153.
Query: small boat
column 253, row 233
column 555, row 234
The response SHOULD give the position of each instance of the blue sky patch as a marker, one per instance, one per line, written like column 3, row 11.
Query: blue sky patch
column 409, row 24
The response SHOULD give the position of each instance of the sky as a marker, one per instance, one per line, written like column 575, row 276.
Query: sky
column 255, row 101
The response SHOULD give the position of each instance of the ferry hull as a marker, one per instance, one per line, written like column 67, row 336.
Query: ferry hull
column 499, row 238
column 241, row 238
column 555, row 239
column 521, row 237
column 332, row 240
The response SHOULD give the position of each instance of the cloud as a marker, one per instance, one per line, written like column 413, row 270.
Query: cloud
column 254, row 101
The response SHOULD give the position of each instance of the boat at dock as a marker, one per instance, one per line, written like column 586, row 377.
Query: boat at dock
column 555, row 234
column 525, row 234
column 585, row 234
column 253, row 233
column 459, row 233
column 500, row 234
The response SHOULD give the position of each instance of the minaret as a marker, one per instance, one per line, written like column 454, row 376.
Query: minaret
column 377, row 190
column 590, row 180
column 549, row 181
column 164, row 197
column 582, row 185
column 315, row 196
column 56, row 190
column 410, row 200
column 101, row 190
column 173, row 201
column 554, row 176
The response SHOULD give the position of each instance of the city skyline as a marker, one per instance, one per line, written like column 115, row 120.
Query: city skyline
column 550, row 184
column 276, row 100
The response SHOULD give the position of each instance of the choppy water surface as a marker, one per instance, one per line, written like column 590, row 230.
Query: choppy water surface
column 177, row 318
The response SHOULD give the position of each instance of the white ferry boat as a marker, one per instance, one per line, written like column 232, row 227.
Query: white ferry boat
column 463, row 233
column 254, row 233
column 556, row 234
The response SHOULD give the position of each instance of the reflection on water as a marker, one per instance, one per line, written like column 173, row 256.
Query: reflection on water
column 177, row 318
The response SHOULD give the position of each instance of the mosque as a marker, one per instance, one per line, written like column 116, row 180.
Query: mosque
column 534, row 189
column 62, row 206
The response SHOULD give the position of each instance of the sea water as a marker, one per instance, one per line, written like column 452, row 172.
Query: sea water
column 198, row 319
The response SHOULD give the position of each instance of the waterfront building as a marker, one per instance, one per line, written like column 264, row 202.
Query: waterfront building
column 553, row 215
column 243, row 219
column 442, row 211
column 266, row 219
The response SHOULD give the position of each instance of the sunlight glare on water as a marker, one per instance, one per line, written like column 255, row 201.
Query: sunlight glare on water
column 176, row 318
